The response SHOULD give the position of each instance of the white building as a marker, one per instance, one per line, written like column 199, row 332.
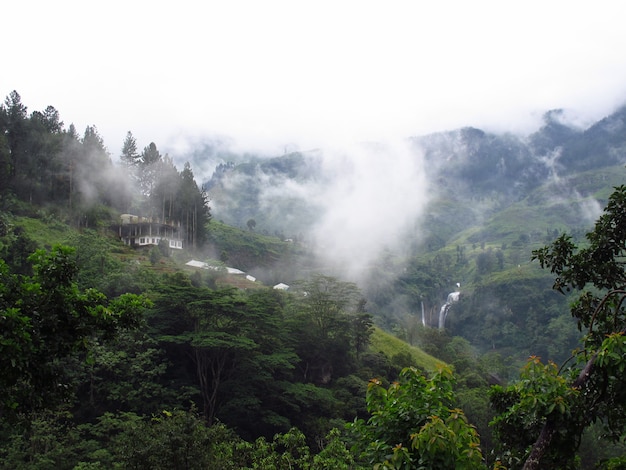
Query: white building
column 138, row 231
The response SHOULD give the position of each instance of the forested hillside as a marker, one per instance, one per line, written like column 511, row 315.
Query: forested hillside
column 119, row 354
column 490, row 200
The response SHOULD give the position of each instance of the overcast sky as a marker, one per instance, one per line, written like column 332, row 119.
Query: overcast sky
column 272, row 73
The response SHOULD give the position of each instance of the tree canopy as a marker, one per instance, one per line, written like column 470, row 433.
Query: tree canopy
column 45, row 318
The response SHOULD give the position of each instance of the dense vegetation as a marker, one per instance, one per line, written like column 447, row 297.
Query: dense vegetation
column 116, row 357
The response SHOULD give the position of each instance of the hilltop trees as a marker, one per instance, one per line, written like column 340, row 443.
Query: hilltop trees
column 191, row 207
column 42, row 163
column 129, row 155
column 25, row 163
column 150, row 161
column 164, row 193
column 14, row 115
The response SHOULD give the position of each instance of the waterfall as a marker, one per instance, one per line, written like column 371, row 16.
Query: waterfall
column 443, row 313
column 423, row 316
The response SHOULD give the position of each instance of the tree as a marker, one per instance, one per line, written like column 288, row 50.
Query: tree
column 91, row 169
column 66, row 179
column 192, row 207
column 362, row 327
column 177, row 439
column 485, row 262
column 162, row 199
column 543, row 416
column 94, row 145
column 5, row 160
column 44, row 318
column 43, row 146
column 129, row 156
column 413, row 425
column 232, row 340
column 325, row 326
column 52, row 120
column 124, row 374
column 148, row 168
column 15, row 116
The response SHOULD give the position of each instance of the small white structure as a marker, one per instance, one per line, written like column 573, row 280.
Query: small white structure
column 237, row 272
column 197, row 264
column 281, row 286
column 234, row 271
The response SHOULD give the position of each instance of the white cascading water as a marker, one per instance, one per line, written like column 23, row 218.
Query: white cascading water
column 443, row 313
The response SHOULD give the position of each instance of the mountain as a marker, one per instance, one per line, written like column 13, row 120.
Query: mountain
column 466, row 163
column 488, row 200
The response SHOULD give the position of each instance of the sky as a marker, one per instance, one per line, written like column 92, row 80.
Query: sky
column 269, row 75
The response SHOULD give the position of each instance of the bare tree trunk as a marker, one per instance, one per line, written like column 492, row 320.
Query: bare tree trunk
column 540, row 446
column 195, row 222
column 71, row 188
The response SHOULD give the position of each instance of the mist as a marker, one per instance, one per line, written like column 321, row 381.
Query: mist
column 347, row 204
column 374, row 196
column 366, row 208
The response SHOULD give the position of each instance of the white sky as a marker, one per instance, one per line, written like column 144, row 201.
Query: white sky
column 273, row 73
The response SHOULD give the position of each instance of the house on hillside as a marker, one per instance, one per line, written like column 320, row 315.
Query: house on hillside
column 139, row 231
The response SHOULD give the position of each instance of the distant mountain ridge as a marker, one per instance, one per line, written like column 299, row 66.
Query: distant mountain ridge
column 475, row 163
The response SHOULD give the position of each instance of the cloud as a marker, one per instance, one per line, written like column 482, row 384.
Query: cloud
column 349, row 204
column 315, row 73
column 376, row 194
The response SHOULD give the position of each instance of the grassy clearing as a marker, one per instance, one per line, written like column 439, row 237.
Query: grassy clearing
column 391, row 346
column 45, row 234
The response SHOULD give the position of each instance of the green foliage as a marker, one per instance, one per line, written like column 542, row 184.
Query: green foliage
column 523, row 406
column 395, row 347
column 45, row 318
column 177, row 439
column 155, row 255
column 330, row 326
column 165, row 440
column 290, row 451
column 616, row 463
column 247, row 249
column 125, row 374
column 413, row 425
column 46, row 440
column 263, row 361
column 17, row 249
column 241, row 358
column 543, row 417
column 517, row 317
